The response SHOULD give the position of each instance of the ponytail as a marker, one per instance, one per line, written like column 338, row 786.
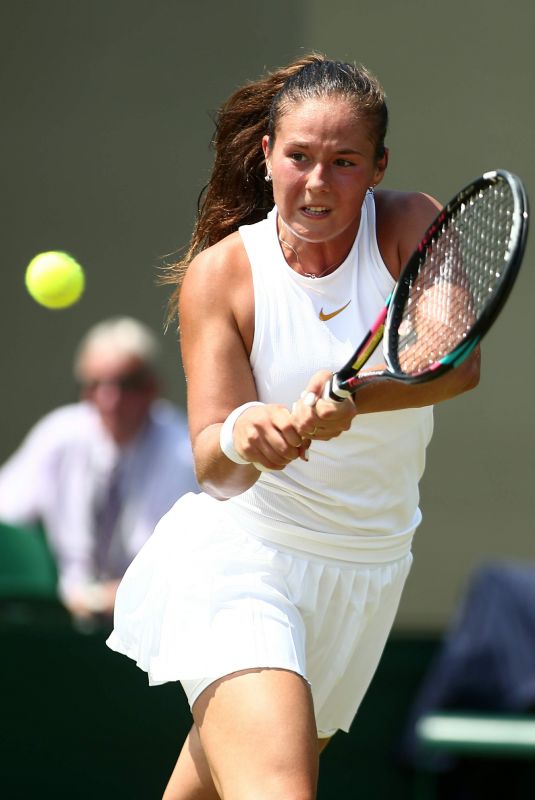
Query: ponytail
column 237, row 193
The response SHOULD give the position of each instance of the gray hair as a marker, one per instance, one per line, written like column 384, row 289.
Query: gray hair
column 123, row 335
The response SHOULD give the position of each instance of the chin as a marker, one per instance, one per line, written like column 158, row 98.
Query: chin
column 324, row 230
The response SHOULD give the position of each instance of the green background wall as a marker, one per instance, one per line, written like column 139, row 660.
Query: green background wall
column 104, row 144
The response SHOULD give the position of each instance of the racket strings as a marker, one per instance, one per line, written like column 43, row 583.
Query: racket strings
column 457, row 279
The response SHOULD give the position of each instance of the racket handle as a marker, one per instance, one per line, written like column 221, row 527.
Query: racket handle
column 332, row 391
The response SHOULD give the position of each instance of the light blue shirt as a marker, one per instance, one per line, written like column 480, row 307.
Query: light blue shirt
column 61, row 468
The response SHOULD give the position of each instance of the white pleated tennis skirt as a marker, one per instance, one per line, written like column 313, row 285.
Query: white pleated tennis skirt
column 203, row 599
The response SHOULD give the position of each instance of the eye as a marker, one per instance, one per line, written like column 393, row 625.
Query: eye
column 343, row 162
column 298, row 157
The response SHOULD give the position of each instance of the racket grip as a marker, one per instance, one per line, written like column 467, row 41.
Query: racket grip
column 332, row 391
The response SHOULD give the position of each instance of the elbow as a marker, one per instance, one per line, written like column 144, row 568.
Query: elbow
column 469, row 373
column 215, row 490
column 209, row 484
column 222, row 483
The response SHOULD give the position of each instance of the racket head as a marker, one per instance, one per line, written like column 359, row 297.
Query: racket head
column 457, row 281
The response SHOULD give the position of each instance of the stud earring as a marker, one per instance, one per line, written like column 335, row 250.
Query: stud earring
column 268, row 177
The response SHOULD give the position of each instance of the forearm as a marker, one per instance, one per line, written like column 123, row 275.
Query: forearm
column 393, row 395
column 216, row 474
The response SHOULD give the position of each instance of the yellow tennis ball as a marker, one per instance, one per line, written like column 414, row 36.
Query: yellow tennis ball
column 55, row 279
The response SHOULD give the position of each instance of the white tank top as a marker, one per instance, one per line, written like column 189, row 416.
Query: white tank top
column 357, row 497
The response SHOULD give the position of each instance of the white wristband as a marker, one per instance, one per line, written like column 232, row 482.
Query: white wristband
column 226, row 434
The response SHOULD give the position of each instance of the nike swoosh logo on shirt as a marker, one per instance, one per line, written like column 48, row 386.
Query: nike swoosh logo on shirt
column 325, row 317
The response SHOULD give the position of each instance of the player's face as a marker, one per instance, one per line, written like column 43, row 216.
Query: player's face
column 121, row 389
column 322, row 163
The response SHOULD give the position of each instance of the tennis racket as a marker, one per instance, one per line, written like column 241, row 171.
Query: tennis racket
column 450, row 291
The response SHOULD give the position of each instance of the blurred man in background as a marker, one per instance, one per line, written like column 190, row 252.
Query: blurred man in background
column 99, row 474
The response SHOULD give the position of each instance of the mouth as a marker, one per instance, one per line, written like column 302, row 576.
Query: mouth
column 315, row 211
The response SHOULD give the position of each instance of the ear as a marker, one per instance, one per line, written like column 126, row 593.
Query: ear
column 380, row 167
column 265, row 146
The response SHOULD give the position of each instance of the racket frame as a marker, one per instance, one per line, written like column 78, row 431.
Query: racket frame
column 346, row 381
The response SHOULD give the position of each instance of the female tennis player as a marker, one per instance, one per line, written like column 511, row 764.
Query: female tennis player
column 272, row 608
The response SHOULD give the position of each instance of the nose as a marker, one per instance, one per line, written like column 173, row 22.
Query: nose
column 318, row 178
column 107, row 396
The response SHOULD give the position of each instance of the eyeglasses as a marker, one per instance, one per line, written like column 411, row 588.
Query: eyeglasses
column 133, row 382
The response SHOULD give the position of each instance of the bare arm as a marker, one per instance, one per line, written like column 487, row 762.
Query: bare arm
column 384, row 396
column 216, row 319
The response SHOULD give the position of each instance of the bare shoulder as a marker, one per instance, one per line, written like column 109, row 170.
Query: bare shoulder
column 402, row 219
column 217, row 269
column 218, row 285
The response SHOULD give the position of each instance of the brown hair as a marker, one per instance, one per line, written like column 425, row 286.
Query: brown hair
column 237, row 193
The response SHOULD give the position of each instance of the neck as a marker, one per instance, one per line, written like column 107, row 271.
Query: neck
column 313, row 260
column 303, row 264
column 292, row 255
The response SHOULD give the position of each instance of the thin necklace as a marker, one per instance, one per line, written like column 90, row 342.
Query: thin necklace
column 305, row 274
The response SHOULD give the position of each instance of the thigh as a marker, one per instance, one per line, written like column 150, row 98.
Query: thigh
column 258, row 732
